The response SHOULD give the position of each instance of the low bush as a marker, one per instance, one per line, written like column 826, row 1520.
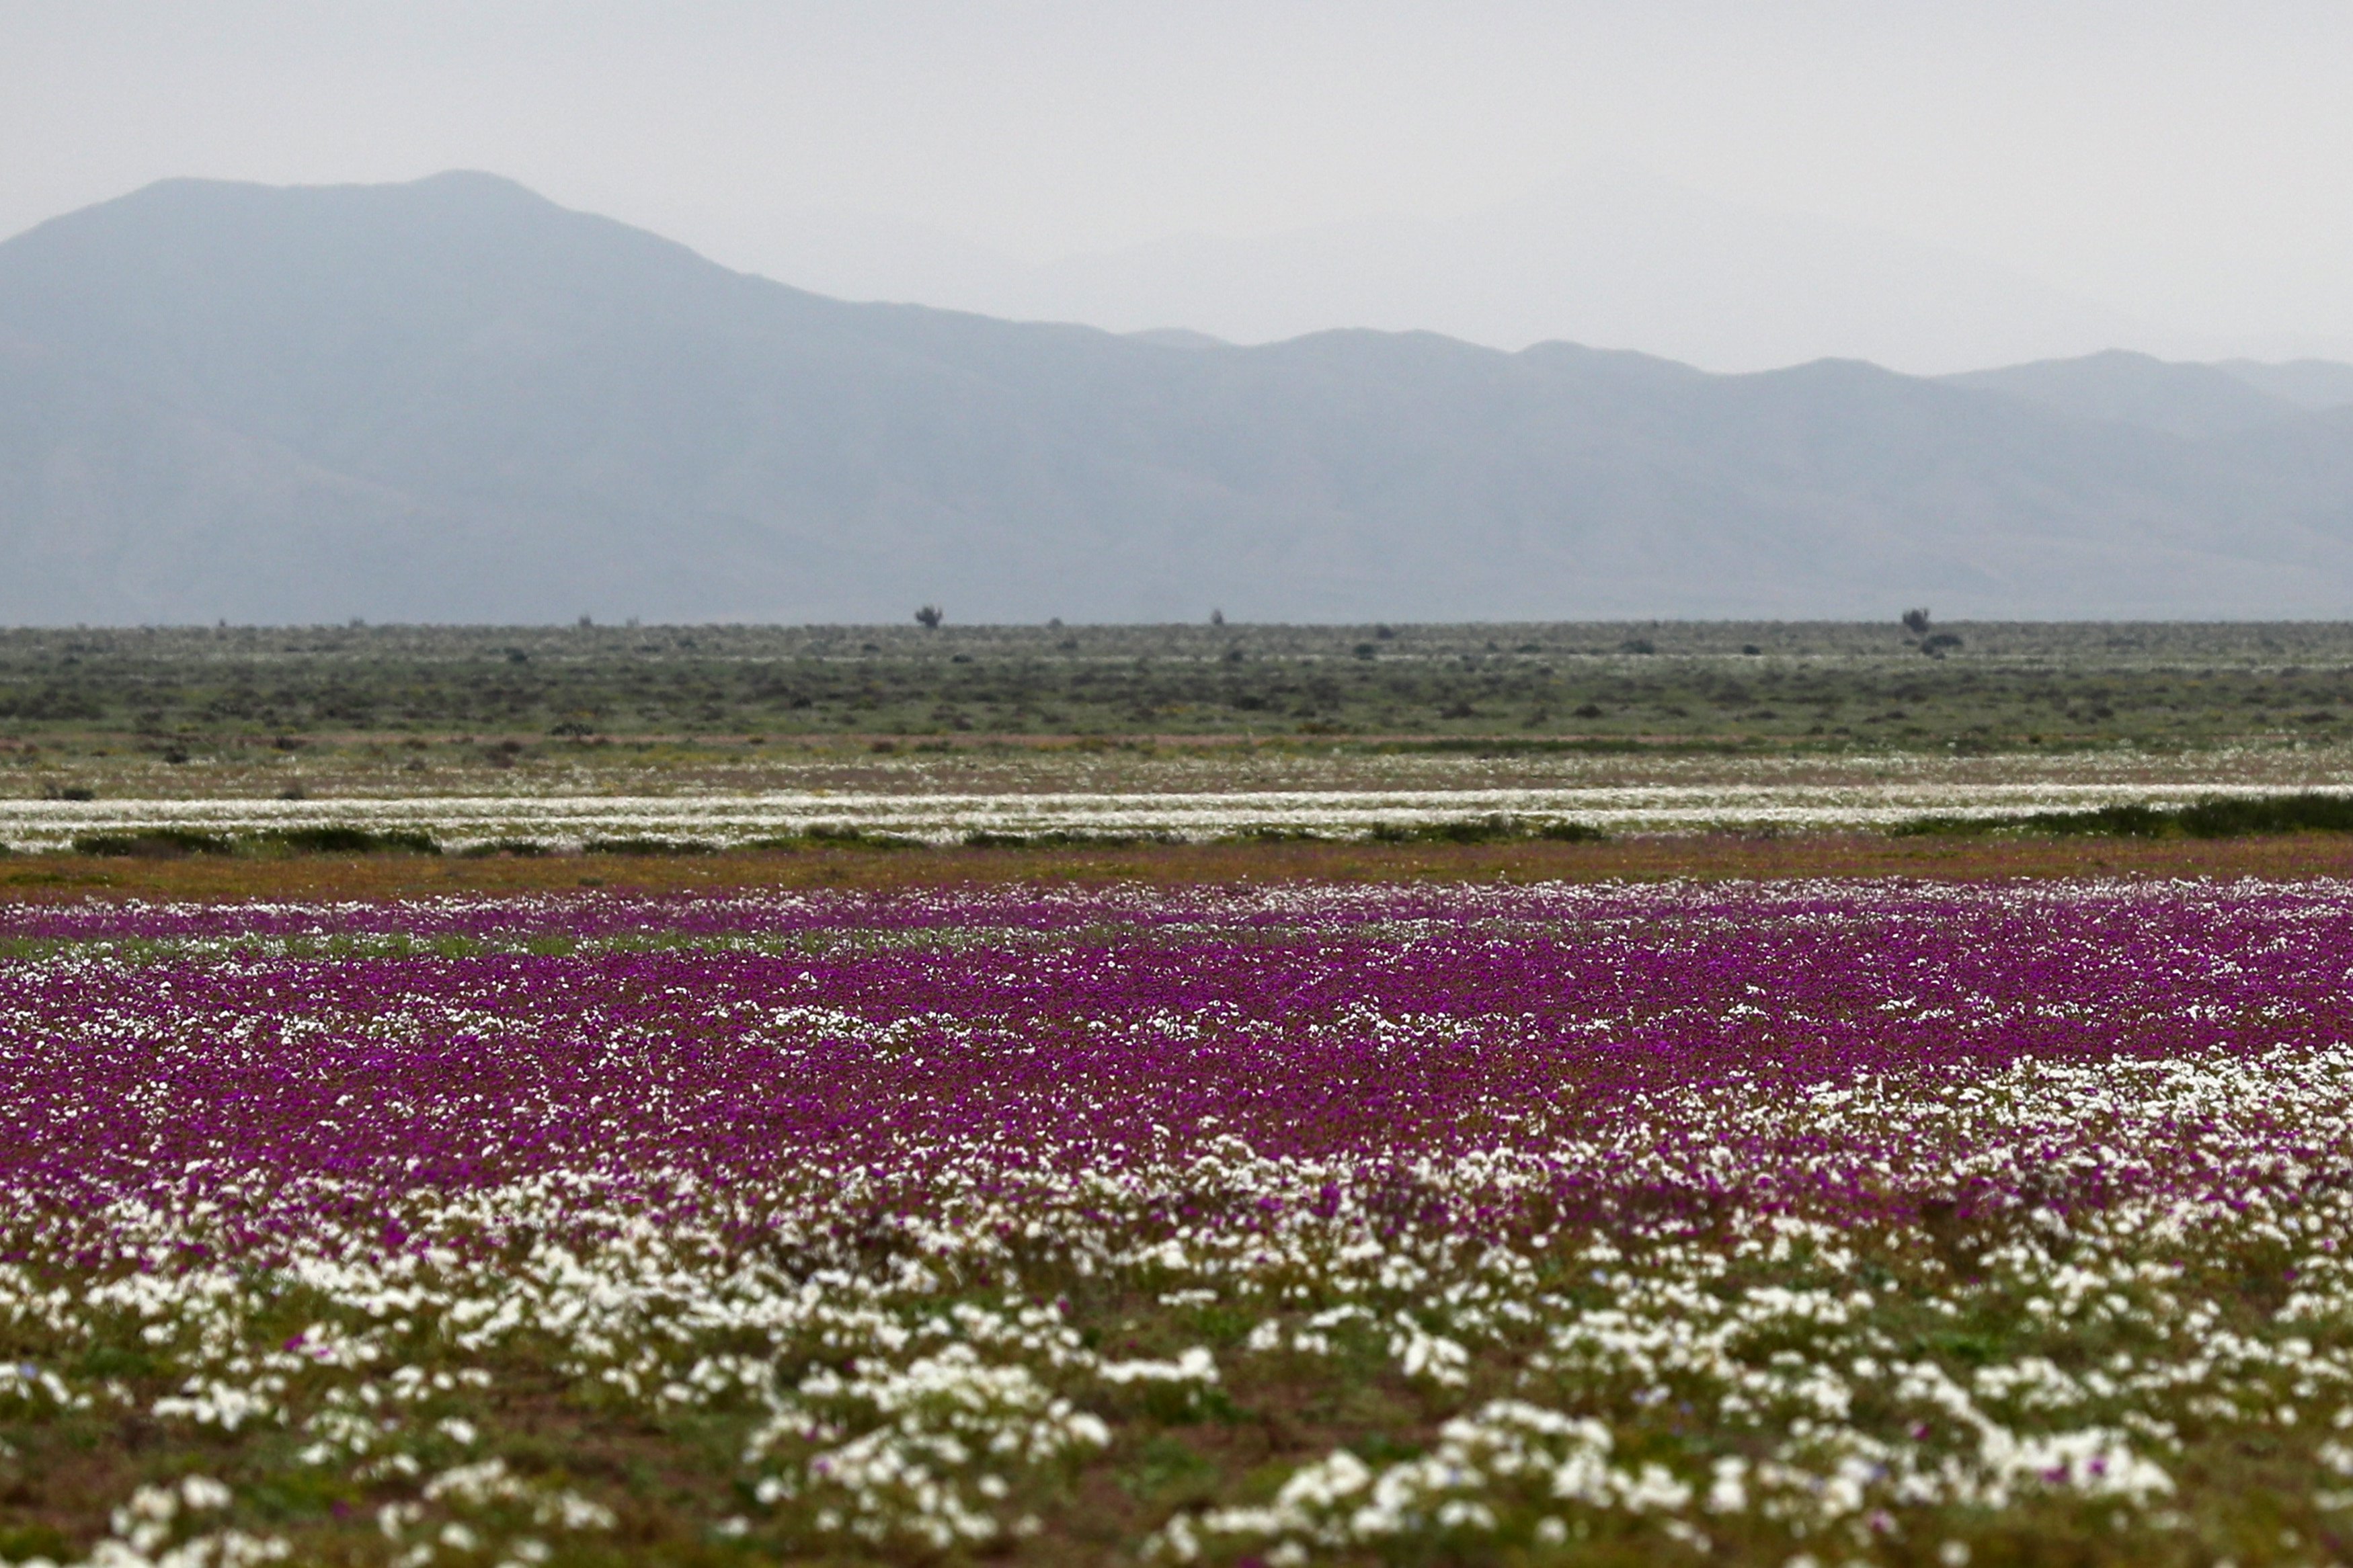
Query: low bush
column 151, row 843
column 1062, row 839
column 648, row 847
column 348, row 841
column 834, row 836
column 2221, row 817
column 1494, row 829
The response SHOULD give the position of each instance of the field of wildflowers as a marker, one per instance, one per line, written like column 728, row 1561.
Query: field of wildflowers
column 1790, row 1223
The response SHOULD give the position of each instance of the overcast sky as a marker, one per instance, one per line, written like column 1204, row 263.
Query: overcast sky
column 2186, row 165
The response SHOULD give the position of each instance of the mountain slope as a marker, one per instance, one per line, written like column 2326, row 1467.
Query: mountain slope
column 454, row 400
column 2136, row 389
column 2314, row 384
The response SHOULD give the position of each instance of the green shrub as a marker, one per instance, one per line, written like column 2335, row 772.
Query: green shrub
column 648, row 847
column 1062, row 839
column 1493, row 829
column 835, row 837
column 1466, row 830
column 862, row 838
column 2220, row 816
column 524, row 849
column 151, row 843
column 349, row 841
column 2233, row 816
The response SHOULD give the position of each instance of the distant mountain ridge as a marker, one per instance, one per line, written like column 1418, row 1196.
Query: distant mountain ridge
column 452, row 400
column 2193, row 400
column 1598, row 256
column 2310, row 384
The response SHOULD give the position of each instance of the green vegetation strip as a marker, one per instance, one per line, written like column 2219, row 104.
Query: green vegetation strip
column 494, row 699
column 164, row 843
column 2224, row 816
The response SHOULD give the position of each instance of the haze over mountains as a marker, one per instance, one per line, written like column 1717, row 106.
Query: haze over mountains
column 1604, row 257
column 451, row 400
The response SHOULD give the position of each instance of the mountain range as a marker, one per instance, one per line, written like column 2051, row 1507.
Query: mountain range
column 451, row 400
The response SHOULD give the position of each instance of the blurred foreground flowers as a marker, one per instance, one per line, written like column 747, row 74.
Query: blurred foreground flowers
column 1810, row 1221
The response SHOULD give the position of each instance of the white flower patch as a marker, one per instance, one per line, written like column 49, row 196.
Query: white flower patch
column 1875, row 794
column 952, row 1429
column 165, row 1527
column 485, row 1507
column 1196, row 1365
column 336, row 1346
column 26, row 1384
column 1420, row 1353
column 1509, row 1455
column 211, row 1402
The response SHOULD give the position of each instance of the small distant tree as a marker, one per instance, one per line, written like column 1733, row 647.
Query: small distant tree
column 1916, row 622
column 930, row 616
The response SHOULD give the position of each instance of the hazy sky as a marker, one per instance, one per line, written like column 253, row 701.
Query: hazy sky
column 2190, row 165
